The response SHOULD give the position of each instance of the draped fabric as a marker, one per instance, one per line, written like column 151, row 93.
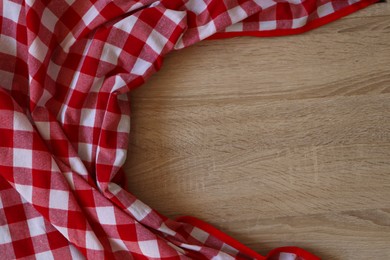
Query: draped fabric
column 66, row 69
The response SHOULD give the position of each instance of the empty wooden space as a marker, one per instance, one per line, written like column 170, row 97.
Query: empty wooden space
column 276, row 141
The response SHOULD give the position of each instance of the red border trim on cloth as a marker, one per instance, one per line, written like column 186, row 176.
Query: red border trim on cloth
column 309, row 26
column 220, row 235
column 294, row 250
column 242, row 248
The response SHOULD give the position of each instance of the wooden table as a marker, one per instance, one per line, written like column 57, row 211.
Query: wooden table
column 276, row 141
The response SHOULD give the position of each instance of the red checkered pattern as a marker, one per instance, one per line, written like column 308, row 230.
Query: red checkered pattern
column 66, row 68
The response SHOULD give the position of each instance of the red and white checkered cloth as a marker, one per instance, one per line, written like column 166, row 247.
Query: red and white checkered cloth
column 66, row 68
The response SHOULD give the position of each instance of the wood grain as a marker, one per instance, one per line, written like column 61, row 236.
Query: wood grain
column 276, row 141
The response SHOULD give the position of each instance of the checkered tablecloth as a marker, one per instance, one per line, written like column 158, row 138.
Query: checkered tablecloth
column 66, row 68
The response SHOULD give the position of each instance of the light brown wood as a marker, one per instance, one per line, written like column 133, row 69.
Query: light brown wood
column 276, row 141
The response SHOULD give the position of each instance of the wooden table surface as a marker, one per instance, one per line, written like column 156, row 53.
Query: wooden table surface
column 276, row 141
